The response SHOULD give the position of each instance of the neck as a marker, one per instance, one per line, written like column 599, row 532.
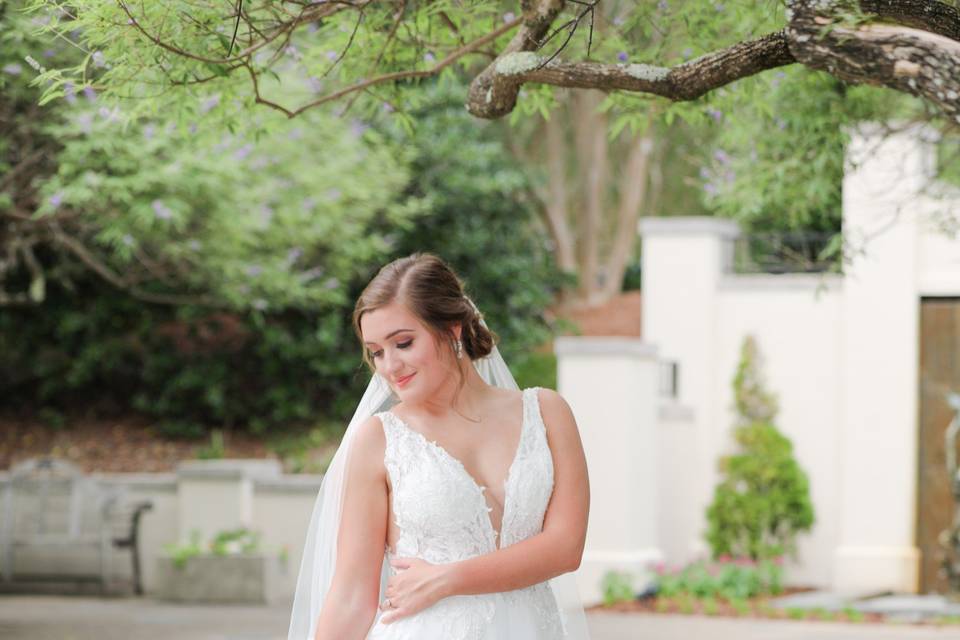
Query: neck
column 466, row 401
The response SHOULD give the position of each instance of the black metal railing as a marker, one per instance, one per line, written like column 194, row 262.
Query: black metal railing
column 785, row 252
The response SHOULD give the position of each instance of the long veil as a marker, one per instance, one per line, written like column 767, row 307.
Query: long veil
column 319, row 553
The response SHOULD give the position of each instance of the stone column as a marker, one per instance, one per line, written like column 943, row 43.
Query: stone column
column 880, row 341
column 214, row 495
column 611, row 385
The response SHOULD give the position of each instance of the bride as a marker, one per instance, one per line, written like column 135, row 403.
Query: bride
column 456, row 505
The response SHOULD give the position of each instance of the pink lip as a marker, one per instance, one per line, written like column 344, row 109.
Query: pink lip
column 403, row 381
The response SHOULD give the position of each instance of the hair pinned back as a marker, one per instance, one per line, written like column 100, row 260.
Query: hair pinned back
column 432, row 291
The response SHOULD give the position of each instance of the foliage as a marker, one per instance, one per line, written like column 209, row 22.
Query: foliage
column 617, row 587
column 733, row 579
column 240, row 541
column 235, row 269
column 762, row 500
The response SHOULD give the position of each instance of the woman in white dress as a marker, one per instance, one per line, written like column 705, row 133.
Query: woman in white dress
column 457, row 504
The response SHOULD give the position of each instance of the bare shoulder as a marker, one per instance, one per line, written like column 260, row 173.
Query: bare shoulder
column 557, row 415
column 370, row 442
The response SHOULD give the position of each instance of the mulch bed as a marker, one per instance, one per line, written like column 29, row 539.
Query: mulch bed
column 759, row 607
column 127, row 444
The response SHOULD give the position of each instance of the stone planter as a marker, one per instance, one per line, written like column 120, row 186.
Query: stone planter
column 248, row 578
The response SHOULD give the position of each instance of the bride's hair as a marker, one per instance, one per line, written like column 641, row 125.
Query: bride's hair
column 429, row 288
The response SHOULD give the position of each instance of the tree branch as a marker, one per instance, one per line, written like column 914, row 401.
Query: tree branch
column 686, row 81
column 910, row 60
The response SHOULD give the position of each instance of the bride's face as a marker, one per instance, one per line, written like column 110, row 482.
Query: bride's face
column 404, row 352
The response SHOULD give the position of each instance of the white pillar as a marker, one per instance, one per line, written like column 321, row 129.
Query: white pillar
column 878, row 433
column 611, row 385
column 215, row 495
column 684, row 259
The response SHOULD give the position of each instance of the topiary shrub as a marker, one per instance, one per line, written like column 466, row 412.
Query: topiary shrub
column 763, row 499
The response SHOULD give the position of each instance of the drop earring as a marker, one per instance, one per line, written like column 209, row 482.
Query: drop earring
column 459, row 348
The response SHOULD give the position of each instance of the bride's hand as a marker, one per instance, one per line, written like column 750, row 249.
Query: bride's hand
column 418, row 585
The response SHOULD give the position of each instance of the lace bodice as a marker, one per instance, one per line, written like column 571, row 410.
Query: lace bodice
column 442, row 516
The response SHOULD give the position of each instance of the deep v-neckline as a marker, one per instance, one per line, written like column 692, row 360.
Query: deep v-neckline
column 481, row 489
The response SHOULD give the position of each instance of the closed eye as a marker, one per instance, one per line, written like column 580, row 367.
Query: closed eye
column 400, row 345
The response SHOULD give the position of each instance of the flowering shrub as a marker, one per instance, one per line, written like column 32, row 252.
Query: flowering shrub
column 730, row 578
column 230, row 542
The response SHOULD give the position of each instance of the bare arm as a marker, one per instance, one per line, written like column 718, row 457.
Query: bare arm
column 559, row 547
column 351, row 603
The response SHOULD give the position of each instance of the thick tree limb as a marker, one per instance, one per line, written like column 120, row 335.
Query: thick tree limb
column 910, row 60
column 935, row 17
column 686, row 81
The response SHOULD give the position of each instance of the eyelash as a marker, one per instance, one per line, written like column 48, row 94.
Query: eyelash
column 400, row 345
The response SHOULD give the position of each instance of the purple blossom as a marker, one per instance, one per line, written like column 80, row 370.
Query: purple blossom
column 509, row 16
column 662, row 5
column 295, row 134
column 148, row 131
column 127, row 239
column 210, row 103
column 331, row 283
column 162, row 211
column 686, row 53
column 49, row 53
column 89, row 93
column 719, row 6
column 730, row 176
column 98, row 60
column 192, row 128
column 13, row 69
column 85, row 122
column 618, row 21
column 254, row 270
column 429, row 58
column 293, row 52
column 56, row 199
column 309, row 203
column 387, row 107
column 781, row 124
column 715, row 113
column 704, row 173
column 243, row 151
column 315, row 84
column 357, row 128
column 721, row 156
column 294, row 254
column 622, row 56
column 312, row 27
column 711, row 188
column 69, row 93
column 333, row 194
column 332, row 55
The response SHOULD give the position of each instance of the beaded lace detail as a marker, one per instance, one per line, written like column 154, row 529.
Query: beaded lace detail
column 443, row 517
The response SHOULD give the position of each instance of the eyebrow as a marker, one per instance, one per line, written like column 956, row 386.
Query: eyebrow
column 390, row 335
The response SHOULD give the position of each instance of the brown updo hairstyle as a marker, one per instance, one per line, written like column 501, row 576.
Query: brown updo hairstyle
column 429, row 288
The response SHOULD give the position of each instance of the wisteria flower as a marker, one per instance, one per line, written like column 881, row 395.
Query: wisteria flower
column 89, row 93
column 160, row 210
column 622, row 56
column 210, row 103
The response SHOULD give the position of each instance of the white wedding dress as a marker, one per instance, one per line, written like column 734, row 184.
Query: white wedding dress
column 442, row 517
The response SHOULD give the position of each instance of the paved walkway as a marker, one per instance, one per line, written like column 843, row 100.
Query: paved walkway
column 39, row 617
